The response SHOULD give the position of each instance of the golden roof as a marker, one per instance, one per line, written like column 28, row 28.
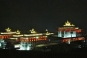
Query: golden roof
column 8, row 29
column 17, row 31
column 68, row 24
column 32, row 31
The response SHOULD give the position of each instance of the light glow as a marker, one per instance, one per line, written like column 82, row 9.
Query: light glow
column 8, row 29
column 9, row 33
column 32, row 31
column 17, row 46
column 68, row 24
column 31, row 34
column 17, row 35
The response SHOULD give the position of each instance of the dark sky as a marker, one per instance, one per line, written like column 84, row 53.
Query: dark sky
column 42, row 14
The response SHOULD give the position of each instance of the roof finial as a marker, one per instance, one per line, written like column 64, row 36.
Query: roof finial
column 32, row 31
column 8, row 29
column 17, row 32
column 46, row 29
column 67, row 23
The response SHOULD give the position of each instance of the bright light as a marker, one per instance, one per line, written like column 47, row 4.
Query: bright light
column 0, row 44
column 31, row 34
column 47, row 34
column 9, row 33
column 77, row 28
column 68, row 24
column 37, row 37
column 17, row 35
column 25, row 46
column 17, row 46
column 28, row 48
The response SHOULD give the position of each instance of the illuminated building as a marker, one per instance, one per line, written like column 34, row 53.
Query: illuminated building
column 68, row 40
column 28, row 43
column 68, row 30
column 33, row 38
column 2, row 44
column 9, row 33
column 25, row 46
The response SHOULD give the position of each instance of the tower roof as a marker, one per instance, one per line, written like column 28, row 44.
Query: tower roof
column 32, row 31
column 68, row 24
column 17, row 31
column 8, row 29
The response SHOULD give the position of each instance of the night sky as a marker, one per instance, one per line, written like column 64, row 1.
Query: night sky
column 42, row 14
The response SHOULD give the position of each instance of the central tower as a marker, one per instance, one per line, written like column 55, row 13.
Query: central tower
column 68, row 30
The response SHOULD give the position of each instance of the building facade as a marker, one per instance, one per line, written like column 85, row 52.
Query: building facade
column 68, row 30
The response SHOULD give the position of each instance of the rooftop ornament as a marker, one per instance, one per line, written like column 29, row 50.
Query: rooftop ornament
column 68, row 24
column 17, row 32
column 47, row 31
column 8, row 29
column 32, row 31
